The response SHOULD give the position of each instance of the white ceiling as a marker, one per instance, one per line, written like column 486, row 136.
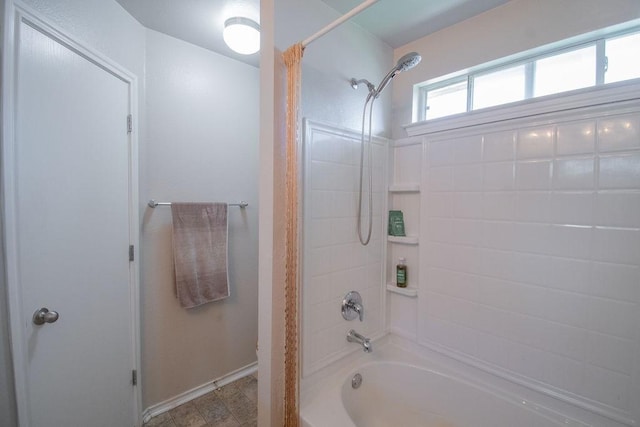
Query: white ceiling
column 196, row 21
column 396, row 22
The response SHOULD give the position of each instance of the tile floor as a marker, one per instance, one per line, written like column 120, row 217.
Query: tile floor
column 234, row 405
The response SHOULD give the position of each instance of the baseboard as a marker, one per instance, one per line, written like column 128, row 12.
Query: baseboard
column 196, row 392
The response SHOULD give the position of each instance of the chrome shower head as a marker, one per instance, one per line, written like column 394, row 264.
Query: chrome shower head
column 408, row 61
column 405, row 63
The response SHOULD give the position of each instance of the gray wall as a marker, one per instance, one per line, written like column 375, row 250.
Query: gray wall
column 7, row 397
column 202, row 110
column 105, row 26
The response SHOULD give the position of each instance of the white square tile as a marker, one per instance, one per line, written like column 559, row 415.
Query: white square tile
column 440, row 230
column 499, row 205
column 407, row 163
column 618, row 209
column 570, row 275
column 439, row 205
column 530, row 268
column 467, row 205
column 571, row 241
column 534, row 238
column 612, row 317
column 468, row 177
column 440, row 179
column 467, row 232
column 536, row 143
column 496, row 293
column 617, row 281
column 533, row 175
column 528, row 299
column 468, row 259
column 440, row 306
column 440, row 153
column 498, row 235
column 568, row 308
column 562, row 339
column 617, row 245
column 497, row 263
column 610, row 352
column 533, row 206
column 620, row 172
column 498, row 176
column 499, row 146
column 467, row 150
column 441, row 255
column 571, row 208
column 576, row 138
column 619, row 133
column 574, row 174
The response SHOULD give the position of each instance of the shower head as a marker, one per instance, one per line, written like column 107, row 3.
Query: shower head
column 408, row 61
column 405, row 63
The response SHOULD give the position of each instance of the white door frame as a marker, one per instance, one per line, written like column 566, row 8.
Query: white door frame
column 15, row 13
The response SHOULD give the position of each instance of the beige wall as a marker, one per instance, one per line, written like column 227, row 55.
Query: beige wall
column 512, row 28
column 202, row 111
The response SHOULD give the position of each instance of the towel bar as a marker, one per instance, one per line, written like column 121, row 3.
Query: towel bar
column 152, row 204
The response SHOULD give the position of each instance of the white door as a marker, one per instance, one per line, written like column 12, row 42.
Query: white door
column 72, row 203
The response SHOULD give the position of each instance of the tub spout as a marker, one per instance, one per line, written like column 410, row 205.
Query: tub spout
column 353, row 336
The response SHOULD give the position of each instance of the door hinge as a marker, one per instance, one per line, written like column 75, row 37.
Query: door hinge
column 131, row 252
column 129, row 123
column 134, row 377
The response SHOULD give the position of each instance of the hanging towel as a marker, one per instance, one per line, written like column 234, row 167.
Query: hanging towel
column 200, row 252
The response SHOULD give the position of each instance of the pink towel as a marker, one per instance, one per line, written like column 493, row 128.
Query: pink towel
column 200, row 252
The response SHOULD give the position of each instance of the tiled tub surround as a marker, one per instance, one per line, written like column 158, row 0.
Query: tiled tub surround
column 334, row 261
column 530, row 253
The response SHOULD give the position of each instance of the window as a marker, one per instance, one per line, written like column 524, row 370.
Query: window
column 565, row 71
column 622, row 58
column 594, row 62
column 499, row 87
column 448, row 100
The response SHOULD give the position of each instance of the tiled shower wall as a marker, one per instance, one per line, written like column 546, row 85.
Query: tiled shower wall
column 530, row 252
column 334, row 261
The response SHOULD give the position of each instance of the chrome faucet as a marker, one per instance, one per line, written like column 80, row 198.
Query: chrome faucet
column 352, row 307
column 353, row 336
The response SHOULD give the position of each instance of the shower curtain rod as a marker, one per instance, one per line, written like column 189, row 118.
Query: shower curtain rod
column 152, row 204
column 364, row 5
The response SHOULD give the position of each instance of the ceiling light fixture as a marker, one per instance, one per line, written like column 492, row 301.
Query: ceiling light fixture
column 242, row 35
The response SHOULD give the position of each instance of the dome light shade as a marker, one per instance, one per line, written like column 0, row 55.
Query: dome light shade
column 242, row 35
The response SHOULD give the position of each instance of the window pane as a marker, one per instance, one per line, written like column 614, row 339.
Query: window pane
column 623, row 54
column 447, row 100
column 499, row 87
column 567, row 71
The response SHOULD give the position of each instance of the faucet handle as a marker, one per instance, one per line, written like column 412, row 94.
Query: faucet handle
column 352, row 306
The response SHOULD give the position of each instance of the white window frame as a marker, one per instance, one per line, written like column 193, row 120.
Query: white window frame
column 528, row 59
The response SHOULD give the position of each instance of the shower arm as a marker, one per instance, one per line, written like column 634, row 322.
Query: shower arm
column 355, row 83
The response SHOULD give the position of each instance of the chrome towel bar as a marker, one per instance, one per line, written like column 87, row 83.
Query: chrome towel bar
column 152, row 204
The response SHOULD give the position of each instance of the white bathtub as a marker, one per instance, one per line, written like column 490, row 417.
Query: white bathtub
column 401, row 390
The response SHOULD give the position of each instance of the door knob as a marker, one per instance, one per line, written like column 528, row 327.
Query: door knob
column 43, row 315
